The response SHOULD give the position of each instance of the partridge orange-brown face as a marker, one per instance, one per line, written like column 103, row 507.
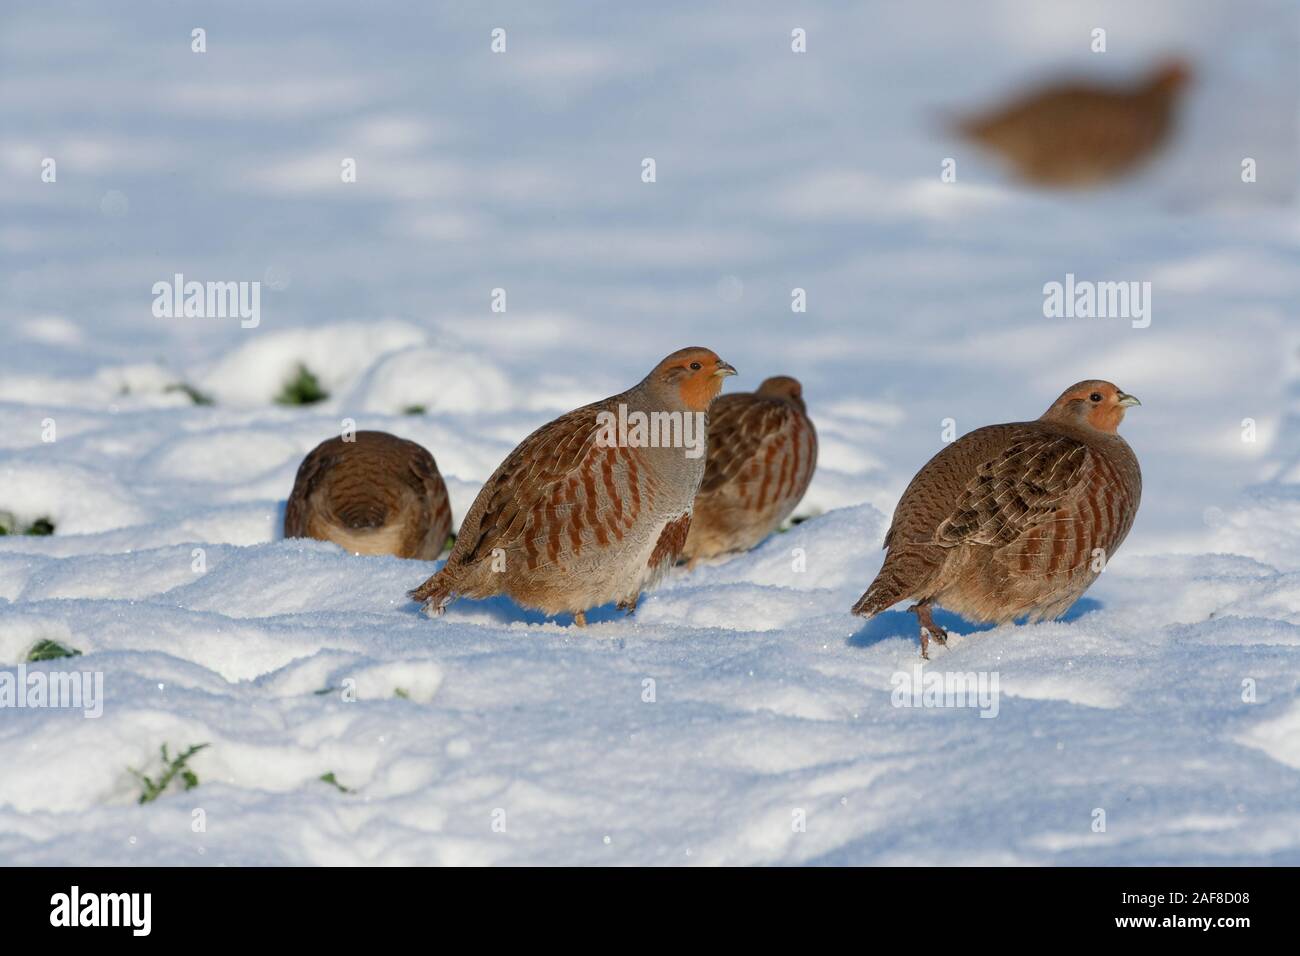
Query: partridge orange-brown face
column 1096, row 403
column 695, row 375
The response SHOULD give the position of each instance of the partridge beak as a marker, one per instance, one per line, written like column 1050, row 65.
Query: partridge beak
column 724, row 369
column 1127, row 400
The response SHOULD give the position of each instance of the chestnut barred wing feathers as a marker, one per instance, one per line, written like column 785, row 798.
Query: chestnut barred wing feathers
column 1022, row 487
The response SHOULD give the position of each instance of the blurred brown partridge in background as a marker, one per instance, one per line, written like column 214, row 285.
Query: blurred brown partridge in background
column 582, row 514
column 1013, row 520
column 762, row 452
column 1076, row 135
column 379, row 494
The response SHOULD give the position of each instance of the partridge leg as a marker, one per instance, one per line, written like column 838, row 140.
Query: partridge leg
column 580, row 618
column 928, row 628
column 629, row 606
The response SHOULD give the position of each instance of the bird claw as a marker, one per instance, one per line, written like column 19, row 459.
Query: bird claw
column 928, row 629
column 935, row 633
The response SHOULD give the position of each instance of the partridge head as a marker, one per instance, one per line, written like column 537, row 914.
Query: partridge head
column 688, row 380
column 1091, row 404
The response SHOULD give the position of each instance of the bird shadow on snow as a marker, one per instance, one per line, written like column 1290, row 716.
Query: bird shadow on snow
column 504, row 611
column 903, row 623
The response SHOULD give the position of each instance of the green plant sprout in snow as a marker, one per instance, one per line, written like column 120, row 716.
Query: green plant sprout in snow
column 172, row 767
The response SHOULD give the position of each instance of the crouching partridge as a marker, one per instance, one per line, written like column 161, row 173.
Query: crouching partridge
column 1076, row 135
column 375, row 494
column 1013, row 520
column 593, row 507
column 762, row 452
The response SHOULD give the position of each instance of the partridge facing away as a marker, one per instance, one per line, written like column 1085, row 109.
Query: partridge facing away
column 762, row 452
column 1077, row 135
column 583, row 513
column 1013, row 520
column 379, row 494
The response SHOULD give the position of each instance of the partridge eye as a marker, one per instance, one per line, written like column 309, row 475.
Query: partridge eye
column 695, row 366
column 1095, row 396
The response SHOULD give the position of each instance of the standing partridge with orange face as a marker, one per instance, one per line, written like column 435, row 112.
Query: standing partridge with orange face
column 1014, row 520
column 377, row 494
column 593, row 507
column 1077, row 135
column 762, row 452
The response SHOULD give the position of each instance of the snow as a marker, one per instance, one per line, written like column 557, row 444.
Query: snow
column 742, row 698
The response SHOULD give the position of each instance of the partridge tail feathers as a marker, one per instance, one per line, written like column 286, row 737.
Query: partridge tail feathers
column 906, row 573
column 361, row 513
column 884, row 592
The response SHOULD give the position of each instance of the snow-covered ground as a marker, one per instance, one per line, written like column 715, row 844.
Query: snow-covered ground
column 743, row 715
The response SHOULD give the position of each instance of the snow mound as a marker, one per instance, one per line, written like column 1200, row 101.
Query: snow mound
column 78, row 500
column 434, row 380
column 256, row 372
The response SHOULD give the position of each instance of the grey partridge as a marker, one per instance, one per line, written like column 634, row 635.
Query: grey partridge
column 1078, row 135
column 376, row 494
column 1014, row 520
column 594, row 506
column 762, row 452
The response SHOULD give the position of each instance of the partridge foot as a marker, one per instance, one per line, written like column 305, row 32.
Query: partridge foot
column 928, row 628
